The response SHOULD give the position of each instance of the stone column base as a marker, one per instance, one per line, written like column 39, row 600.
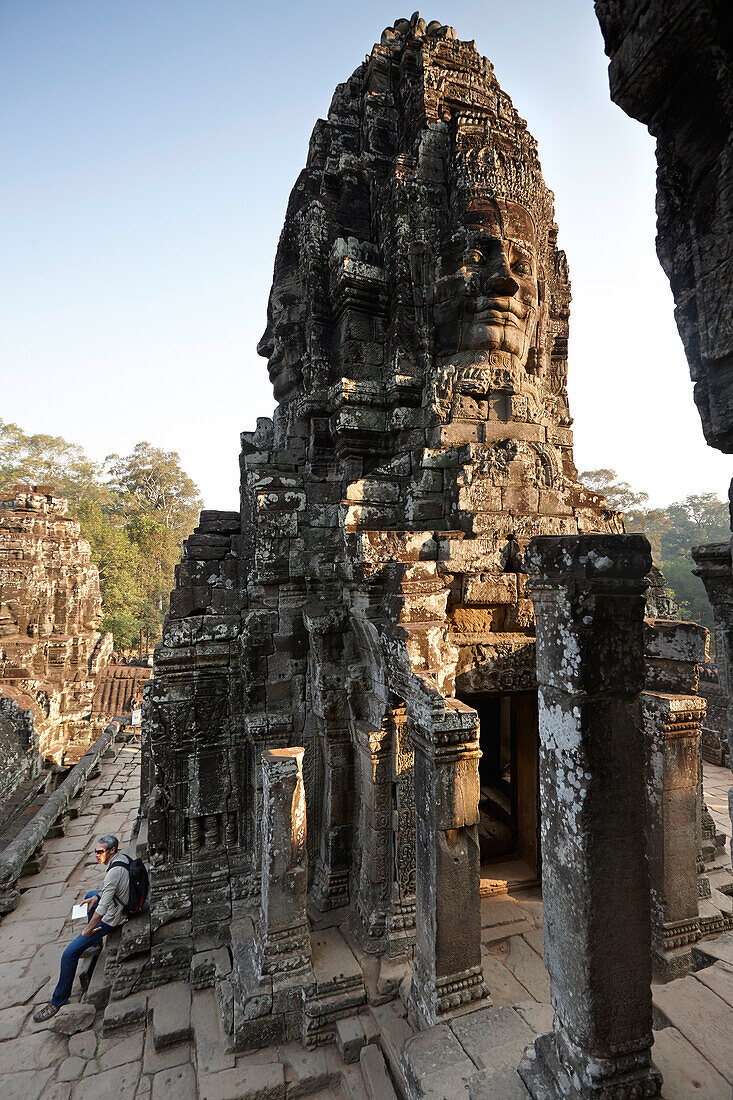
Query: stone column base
column 438, row 1002
column 329, row 888
column 547, row 1077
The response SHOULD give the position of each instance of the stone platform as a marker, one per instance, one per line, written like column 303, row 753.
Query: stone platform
column 169, row 1042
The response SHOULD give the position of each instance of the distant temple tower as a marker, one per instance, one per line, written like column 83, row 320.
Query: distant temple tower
column 51, row 650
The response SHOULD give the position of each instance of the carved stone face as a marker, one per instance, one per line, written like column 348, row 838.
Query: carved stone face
column 486, row 292
column 282, row 342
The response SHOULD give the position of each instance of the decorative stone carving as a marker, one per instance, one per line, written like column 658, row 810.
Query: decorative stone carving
column 51, row 651
column 282, row 941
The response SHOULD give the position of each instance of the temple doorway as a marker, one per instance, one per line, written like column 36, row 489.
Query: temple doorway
column 509, row 782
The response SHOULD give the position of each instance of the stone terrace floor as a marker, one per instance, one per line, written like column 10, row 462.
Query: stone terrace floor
column 717, row 782
column 37, row 1063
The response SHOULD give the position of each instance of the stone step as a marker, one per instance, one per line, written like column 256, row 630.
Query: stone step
column 97, row 991
column 719, row 978
column 257, row 1082
column 704, row 1019
column 128, row 1013
column 394, row 1031
column 376, row 1077
column 687, row 1075
column 308, row 1072
column 493, row 1037
column 434, row 1062
column 709, row 952
column 170, row 1008
column 475, row 1057
column 501, row 1083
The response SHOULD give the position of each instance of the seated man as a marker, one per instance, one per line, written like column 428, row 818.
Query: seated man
column 105, row 912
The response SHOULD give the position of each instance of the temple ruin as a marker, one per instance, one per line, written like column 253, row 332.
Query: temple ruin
column 51, row 650
column 349, row 671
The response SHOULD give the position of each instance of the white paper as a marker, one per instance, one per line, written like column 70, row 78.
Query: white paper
column 79, row 911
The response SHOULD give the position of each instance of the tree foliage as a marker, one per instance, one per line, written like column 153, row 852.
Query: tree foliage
column 135, row 510
column 672, row 532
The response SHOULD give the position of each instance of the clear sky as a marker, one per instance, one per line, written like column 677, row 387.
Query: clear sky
column 149, row 149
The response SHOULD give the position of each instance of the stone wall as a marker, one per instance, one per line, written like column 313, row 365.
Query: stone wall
column 51, row 650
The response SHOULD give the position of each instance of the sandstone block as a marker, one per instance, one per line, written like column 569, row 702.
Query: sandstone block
column 170, row 1007
column 179, row 1082
column 258, row 1082
column 72, row 1018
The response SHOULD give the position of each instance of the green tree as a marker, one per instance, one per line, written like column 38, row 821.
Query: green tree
column 120, row 567
column 672, row 532
column 150, row 481
column 619, row 494
column 48, row 460
column 136, row 510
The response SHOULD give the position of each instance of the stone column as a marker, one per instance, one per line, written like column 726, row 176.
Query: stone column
column 672, row 724
column 714, row 569
column 282, row 940
column 448, row 977
column 673, row 713
column 326, row 622
column 401, row 916
column 588, row 595
column 373, row 770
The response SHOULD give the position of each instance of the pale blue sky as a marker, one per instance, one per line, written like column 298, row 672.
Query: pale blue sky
column 149, row 149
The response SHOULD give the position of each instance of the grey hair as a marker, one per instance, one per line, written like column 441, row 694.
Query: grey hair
column 109, row 841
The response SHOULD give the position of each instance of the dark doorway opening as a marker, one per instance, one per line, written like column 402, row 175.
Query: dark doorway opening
column 509, row 777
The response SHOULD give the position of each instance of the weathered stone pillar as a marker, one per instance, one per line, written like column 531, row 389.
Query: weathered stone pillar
column 672, row 725
column 373, row 769
column 588, row 595
column 448, row 977
column 713, row 563
column 673, row 714
column 326, row 623
column 282, row 940
column 401, row 916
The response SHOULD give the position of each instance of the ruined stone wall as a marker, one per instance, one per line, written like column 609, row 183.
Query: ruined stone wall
column 50, row 646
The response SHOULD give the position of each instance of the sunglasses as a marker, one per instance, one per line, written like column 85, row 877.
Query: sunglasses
column 100, row 851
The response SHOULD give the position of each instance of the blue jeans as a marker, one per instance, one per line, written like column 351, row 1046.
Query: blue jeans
column 72, row 954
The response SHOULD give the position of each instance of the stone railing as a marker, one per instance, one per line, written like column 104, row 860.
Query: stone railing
column 29, row 841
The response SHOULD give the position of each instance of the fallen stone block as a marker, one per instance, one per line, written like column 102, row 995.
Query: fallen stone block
column 350, row 1038
column 73, row 1018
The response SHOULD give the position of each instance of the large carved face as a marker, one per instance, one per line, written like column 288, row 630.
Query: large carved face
column 282, row 342
column 486, row 291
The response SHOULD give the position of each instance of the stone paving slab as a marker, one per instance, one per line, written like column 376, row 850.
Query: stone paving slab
column 686, row 1073
column 124, row 1063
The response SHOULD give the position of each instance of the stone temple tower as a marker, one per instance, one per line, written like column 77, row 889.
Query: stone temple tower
column 368, row 602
